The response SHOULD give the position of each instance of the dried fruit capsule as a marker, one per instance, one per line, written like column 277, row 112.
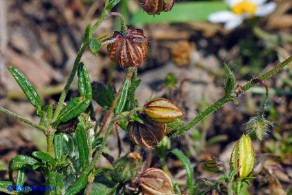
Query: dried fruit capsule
column 243, row 157
column 154, row 181
column 148, row 134
column 128, row 49
column 153, row 7
column 162, row 110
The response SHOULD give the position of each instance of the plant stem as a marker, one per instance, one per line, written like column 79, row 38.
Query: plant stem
column 76, row 64
column 50, row 144
column 123, row 20
column 201, row 116
column 69, row 81
column 268, row 74
column 16, row 116
column 224, row 100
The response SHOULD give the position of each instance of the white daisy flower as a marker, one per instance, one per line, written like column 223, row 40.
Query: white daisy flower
column 240, row 10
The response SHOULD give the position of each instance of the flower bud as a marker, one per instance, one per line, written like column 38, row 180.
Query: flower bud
column 128, row 49
column 153, row 7
column 162, row 110
column 243, row 157
column 258, row 126
column 127, row 167
column 154, row 181
column 148, row 134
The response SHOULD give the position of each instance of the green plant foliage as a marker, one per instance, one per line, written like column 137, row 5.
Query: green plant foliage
column 26, row 87
column 103, row 94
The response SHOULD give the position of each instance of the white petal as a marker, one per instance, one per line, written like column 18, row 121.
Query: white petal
column 221, row 16
column 266, row 9
column 231, row 3
column 258, row 2
column 233, row 23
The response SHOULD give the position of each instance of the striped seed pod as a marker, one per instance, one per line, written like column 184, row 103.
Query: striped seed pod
column 243, row 157
column 162, row 110
column 153, row 7
column 128, row 49
column 148, row 134
column 154, row 181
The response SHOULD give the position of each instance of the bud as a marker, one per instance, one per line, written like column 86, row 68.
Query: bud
column 243, row 157
column 153, row 7
column 128, row 49
column 163, row 148
column 258, row 126
column 127, row 167
column 214, row 165
column 154, row 181
column 162, row 110
column 148, row 134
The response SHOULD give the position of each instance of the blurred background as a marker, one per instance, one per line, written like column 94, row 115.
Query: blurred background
column 184, row 64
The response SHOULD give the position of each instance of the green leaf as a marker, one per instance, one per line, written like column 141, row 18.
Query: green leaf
column 58, row 145
column 84, row 85
column 181, row 12
column 20, row 177
column 104, row 95
column 44, row 157
column 189, row 169
column 78, row 185
column 103, row 185
column 123, row 98
column 83, row 148
column 111, row 4
column 59, row 182
column 52, row 181
column 94, row 45
column 6, row 187
column 229, row 88
column 26, row 87
column 22, row 162
column 74, row 107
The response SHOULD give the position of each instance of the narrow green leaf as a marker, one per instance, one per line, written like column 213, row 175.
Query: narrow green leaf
column 111, row 4
column 59, row 182
column 94, row 45
column 20, row 177
column 82, row 144
column 52, row 181
column 104, row 95
column 44, row 157
column 229, row 88
column 181, row 12
column 74, row 107
column 27, row 88
column 6, row 187
column 189, row 169
column 78, row 185
column 123, row 98
column 84, row 85
column 22, row 162
column 58, row 145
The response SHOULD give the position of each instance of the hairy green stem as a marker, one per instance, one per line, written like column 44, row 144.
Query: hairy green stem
column 268, row 74
column 201, row 116
column 224, row 100
column 16, row 116
column 50, row 144
column 69, row 81
column 123, row 20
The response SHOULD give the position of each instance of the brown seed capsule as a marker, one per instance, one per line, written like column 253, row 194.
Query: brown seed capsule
column 148, row 134
column 154, row 181
column 162, row 110
column 153, row 7
column 128, row 49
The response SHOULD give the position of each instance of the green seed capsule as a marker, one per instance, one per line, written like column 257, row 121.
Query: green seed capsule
column 243, row 157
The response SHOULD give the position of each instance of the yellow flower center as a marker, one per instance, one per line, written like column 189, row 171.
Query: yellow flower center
column 244, row 7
